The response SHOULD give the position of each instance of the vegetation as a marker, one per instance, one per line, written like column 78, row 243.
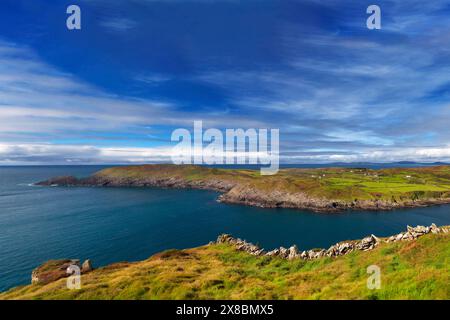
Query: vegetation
column 340, row 184
column 409, row 270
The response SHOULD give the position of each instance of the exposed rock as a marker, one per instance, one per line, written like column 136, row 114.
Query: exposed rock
column 293, row 252
column 315, row 254
column 224, row 238
column 243, row 191
column 52, row 270
column 60, row 181
column 57, row 269
column 283, row 253
column 413, row 233
column 368, row 243
column 338, row 249
column 241, row 245
column 273, row 253
column 86, row 266
column 434, row 228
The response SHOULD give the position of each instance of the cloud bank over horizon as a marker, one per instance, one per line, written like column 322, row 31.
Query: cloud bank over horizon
column 114, row 91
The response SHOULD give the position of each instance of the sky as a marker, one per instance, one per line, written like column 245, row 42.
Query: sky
column 114, row 91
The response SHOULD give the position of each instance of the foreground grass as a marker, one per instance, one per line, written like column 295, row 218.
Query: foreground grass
column 409, row 270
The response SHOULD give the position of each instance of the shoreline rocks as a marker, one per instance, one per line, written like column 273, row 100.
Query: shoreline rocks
column 338, row 249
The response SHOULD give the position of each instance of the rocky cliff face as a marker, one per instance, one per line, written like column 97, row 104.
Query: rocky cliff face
column 279, row 199
column 240, row 188
column 165, row 182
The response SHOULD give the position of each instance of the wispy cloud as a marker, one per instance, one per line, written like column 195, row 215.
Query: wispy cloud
column 39, row 102
column 153, row 79
column 337, row 91
column 118, row 24
column 26, row 154
column 35, row 97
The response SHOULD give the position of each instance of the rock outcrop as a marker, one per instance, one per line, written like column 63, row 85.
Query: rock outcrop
column 57, row 269
column 339, row 249
column 241, row 245
column 86, row 266
column 99, row 180
column 414, row 233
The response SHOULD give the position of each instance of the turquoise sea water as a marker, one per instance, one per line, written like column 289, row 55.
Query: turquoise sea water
column 116, row 224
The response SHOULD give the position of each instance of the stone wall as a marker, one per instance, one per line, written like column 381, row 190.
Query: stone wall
column 339, row 249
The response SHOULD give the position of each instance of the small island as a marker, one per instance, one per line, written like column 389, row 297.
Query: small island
column 319, row 190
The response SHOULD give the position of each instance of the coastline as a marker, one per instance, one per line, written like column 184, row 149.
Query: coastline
column 228, row 268
column 241, row 188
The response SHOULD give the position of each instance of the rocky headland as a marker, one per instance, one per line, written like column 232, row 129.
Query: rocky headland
column 319, row 190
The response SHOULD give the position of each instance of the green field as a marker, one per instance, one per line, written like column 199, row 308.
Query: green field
column 337, row 184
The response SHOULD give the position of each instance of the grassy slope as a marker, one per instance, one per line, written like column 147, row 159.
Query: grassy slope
column 410, row 270
column 400, row 184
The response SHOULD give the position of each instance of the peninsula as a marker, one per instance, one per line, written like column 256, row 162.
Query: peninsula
column 319, row 190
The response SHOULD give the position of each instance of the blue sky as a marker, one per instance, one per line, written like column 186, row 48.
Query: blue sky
column 114, row 91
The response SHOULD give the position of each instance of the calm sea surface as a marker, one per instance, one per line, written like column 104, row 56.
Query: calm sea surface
column 117, row 224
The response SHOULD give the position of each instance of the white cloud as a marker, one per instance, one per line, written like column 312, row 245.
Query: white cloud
column 37, row 98
column 118, row 24
column 25, row 154
column 364, row 100
column 153, row 79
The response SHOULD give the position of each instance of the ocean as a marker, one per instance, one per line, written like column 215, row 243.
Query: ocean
column 110, row 225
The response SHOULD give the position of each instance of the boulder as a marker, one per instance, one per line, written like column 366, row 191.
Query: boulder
column 313, row 254
column 399, row 237
column 293, row 252
column 283, row 252
column 225, row 238
column 434, row 228
column 273, row 253
column 345, row 248
column 240, row 244
column 86, row 266
column 368, row 243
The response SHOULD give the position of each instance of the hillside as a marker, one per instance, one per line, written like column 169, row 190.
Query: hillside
column 416, row 269
column 325, row 190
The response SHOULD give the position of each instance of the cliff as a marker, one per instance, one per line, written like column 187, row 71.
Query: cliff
column 320, row 190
